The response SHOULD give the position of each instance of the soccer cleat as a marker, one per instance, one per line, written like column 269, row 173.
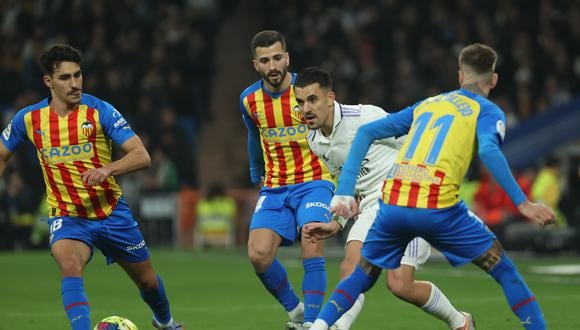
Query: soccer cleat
column 171, row 325
column 298, row 326
column 469, row 322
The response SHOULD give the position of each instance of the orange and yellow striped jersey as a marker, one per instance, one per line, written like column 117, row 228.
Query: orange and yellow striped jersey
column 275, row 118
column 68, row 146
column 441, row 144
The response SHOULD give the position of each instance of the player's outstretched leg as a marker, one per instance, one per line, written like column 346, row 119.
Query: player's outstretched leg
column 520, row 298
column 423, row 294
column 152, row 292
column 262, row 246
column 71, row 257
column 347, row 266
column 361, row 280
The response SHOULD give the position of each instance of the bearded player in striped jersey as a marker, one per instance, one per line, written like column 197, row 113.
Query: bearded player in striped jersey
column 333, row 127
column 296, row 187
column 72, row 133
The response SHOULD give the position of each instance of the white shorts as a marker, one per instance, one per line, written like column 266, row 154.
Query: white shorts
column 417, row 251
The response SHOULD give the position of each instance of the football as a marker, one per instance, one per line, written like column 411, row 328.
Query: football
column 115, row 323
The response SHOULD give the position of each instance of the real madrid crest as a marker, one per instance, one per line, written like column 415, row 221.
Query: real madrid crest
column 87, row 128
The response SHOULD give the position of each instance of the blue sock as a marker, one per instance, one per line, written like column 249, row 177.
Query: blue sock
column 520, row 298
column 157, row 301
column 346, row 294
column 275, row 279
column 75, row 302
column 313, row 287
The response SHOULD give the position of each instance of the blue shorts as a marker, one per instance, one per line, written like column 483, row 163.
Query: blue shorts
column 455, row 231
column 286, row 209
column 117, row 236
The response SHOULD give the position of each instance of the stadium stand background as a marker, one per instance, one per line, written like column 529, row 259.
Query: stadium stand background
column 176, row 68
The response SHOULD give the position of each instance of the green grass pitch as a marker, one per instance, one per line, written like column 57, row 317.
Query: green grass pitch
column 218, row 290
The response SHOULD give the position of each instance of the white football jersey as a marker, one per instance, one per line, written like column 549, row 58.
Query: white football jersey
column 333, row 149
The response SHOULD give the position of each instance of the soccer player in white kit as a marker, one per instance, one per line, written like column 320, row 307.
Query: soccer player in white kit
column 333, row 127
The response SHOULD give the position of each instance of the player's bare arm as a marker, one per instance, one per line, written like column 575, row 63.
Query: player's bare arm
column 4, row 157
column 136, row 157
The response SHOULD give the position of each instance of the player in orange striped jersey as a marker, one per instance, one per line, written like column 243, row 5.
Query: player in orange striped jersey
column 72, row 133
column 420, row 194
column 296, row 186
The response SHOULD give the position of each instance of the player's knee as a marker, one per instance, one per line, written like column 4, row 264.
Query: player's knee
column 70, row 267
column 260, row 258
column 147, row 283
column 399, row 287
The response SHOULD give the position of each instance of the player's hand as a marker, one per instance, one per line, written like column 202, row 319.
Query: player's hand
column 344, row 206
column 539, row 213
column 95, row 176
column 314, row 231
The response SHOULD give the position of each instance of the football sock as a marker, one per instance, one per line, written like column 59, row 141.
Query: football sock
column 347, row 319
column 342, row 298
column 313, row 286
column 521, row 300
column 157, row 301
column 76, row 305
column 275, row 279
column 439, row 306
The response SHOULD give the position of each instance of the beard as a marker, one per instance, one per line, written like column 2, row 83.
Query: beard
column 270, row 80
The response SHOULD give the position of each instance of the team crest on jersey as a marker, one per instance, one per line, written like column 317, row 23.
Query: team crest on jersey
column 87, row 128
column 296, row 108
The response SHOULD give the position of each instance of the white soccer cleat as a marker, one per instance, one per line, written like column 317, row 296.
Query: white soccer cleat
column 171, row 325
column 469, row 322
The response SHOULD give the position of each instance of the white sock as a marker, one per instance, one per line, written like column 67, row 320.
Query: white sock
column 319, row 324
column 347, row 319
column 439, row 306
column 297, row 314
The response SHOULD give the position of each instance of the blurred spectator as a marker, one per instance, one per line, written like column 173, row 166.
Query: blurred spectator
column 215, row 218
column 162, row 175
column 546, row 187
column 405, row 50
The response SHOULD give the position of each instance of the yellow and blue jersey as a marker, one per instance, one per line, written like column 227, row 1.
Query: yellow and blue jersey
column 443, row 136
column 277, row 138
column 68, row 146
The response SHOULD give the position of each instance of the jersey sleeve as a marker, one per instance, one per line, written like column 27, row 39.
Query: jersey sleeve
column 255, row 154
column 372, row 113
column 15, row 133
column 491, row 122
column 490, row 135
column 114, row 124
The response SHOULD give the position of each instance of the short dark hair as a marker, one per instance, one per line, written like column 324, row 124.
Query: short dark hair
column 267, row 38
column 312, row 75
column 479, row 57
column 52, row 57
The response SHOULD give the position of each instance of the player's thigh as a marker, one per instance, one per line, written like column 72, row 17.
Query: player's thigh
column 312, row 203
column 71, row 256
column 417, row 252
column 71, row 241
column 362, row 224
column 271, row 213
column 120, row 238
column 461, row 236
column 388, row 237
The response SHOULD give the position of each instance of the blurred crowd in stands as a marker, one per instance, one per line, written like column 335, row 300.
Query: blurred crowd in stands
column 153, row 60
